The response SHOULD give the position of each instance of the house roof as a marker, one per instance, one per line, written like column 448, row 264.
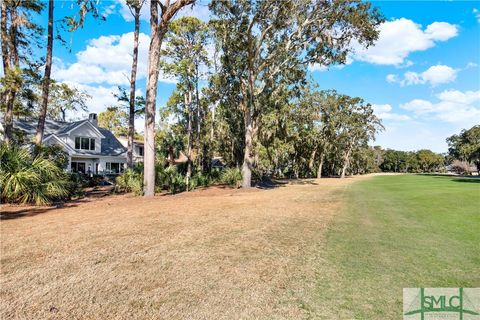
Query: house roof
column 136, row 141
column 29, row 126
column 60, row 141
column 73, row 125
column 110, row 145
column 70, row 126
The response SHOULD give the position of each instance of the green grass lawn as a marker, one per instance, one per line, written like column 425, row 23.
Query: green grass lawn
column 399, row 232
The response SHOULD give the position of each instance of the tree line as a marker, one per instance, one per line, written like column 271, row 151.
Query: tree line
column 227, row 104
column 463, row 156
column 243, row 92
column 257, row 76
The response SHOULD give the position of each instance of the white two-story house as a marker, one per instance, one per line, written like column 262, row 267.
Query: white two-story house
column 137, row 148
column 91, row 149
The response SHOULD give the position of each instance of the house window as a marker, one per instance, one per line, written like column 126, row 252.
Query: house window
column 78, row 166
column 84, row 143
column 114, row 167
column 140, row 151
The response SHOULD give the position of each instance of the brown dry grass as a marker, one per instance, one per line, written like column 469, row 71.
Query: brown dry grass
column 211, row 254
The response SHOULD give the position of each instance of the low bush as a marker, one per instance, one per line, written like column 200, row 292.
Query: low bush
column 171, row 179
column 54, row 153
column 460, row 167
column 76, row 182
column 130, row 181
column 174, row 181
column 232, row 177
column 28, row 179
column 215, row 175
column 199, row 180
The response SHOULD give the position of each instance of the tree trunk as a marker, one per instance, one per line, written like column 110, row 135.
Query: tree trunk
column 133, row 79
column 11, row 41
column 151, row 99
column 247, row 157
column 212, row 129
column 171, row 156
column 312, row 159
column 344, row 169
column 157, row 32
column 188, row 103
column 9, row 95
column 46, row 78
column 5, row 38
column 64, row 112
column 346, row 162
column 199, row 118
column 320, row 165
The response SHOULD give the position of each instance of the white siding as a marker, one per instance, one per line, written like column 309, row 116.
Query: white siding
column 85, row 131
column 89, row 163
column 102, row 166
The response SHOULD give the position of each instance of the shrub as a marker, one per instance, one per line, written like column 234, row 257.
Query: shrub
column 215, row 175
column 198, row 180
column 130, row 181
column 460, row 167
column 174, row 181
column 28, row 179
column 232, row 177
column 76, row 183
column 53, row 153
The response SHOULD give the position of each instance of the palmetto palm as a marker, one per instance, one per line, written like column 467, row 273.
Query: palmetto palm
column 28, row 179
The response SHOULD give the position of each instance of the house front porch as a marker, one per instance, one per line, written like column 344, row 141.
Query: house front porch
column 91, row 165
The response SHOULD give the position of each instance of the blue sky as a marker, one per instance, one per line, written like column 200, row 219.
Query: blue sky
column 422, row 76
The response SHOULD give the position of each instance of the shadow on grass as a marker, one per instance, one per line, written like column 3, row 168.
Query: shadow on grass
column 30, row 211
column 456, row 178
column 266, row 183
column 467, row 179
column 304, row 182
column 437, row 175
column 449, row 175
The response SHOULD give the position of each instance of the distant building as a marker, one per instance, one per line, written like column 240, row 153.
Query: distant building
column 91, row 149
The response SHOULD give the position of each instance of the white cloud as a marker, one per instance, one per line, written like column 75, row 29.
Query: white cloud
column 453, row 106
column 392, row 78
column 435, row 75
column 107, row 60
column 441, row 31
column 399, row 38
column 476, row 13
column 101, row 98
column 383, row 111
column 415, row 135
column 467, row 97
column 108, row 10
column 439, row 74
column 319, row 67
